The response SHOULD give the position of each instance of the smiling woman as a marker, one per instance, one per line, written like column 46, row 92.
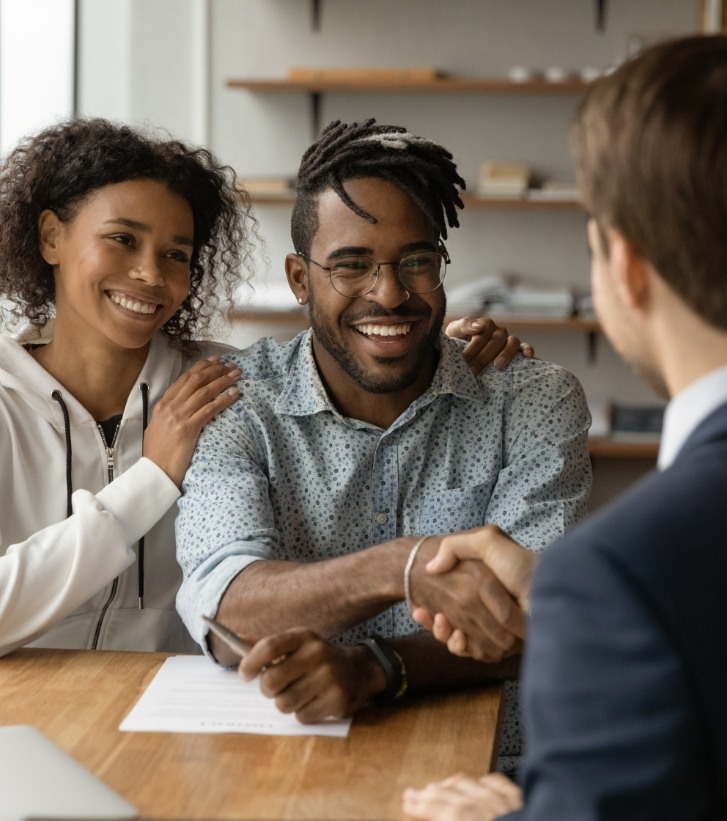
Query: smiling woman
column 113, row 247
column 123, row 266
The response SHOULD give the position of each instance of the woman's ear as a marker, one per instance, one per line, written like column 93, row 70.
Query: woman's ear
column 49, row 230
column 297, row 273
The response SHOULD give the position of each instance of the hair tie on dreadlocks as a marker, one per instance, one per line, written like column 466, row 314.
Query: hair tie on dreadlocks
column 421, row 168
column 392, row 140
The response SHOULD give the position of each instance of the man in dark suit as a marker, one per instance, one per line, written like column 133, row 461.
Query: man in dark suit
column 625, row 676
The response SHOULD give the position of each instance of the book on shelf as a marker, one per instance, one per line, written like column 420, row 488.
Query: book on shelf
column 335, row 74
column 498, row 179
column 625, row 422
column 638, row 421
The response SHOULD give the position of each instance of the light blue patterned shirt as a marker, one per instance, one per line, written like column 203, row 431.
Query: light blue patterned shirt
column 283, row 475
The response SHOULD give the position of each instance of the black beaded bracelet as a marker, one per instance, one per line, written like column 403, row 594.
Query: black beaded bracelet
column 391, row 661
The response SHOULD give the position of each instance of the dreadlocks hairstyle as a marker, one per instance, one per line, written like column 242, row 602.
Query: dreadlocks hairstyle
column 420, row 167
column 63, row 165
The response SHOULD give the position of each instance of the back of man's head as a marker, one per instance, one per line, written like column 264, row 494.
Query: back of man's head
column 421, row 168
column 650, row 144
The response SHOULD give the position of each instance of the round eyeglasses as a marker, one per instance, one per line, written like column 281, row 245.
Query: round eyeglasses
column 419, row 273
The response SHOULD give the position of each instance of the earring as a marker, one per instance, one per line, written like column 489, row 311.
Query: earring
column 301, row 301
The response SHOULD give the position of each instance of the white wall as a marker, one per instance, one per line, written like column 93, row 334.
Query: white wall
column 36, row 71
column 266, row 134
column 146, row 62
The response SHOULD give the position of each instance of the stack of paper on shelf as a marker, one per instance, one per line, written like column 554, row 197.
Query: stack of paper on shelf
column 532, row 301
column 583, row 303
column 555, row 190
column 503, row 179
column 600, row 417
column 472, row 296
column 508, row 296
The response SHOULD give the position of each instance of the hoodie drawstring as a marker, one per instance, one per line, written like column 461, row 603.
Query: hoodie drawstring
column 69, row 451
column 144, row 388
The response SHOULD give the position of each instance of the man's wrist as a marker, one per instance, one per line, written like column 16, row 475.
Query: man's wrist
column 393, row 666
column 407, row 571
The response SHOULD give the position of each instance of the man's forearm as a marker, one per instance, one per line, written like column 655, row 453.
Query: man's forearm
column 327, row 597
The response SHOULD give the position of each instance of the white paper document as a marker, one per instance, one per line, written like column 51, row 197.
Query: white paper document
column 190, row 694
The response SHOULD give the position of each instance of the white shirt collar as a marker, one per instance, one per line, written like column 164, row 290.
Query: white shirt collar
column 687, row 409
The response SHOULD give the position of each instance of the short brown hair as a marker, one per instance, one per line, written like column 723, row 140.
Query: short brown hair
column 650, row 146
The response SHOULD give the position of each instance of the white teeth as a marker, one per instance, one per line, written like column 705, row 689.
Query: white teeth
column 133, row 304
column 384, row 330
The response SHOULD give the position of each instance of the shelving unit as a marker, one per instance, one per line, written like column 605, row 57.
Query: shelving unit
column 603, row 450
column 470, row 201
column 440, row 85
column 599, row 447
column 298, row 318
column 603, row 447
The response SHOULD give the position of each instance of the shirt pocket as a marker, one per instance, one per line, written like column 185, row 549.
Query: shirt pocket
column 447, row 511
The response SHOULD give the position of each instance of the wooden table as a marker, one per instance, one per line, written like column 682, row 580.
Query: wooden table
column 78, row 698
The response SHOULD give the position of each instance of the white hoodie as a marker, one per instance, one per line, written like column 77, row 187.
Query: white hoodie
column 73, row 581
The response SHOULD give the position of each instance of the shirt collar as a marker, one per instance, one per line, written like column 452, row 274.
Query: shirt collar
column 304, row 394
column 687, row 410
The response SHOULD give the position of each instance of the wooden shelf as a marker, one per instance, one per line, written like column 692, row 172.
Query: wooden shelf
column 315, row 88
column 299, row 317
column 606, row 448
column 569, row 325
column 293, row 317
column 600, row 447
column 442, row 85
column 522, row 203
column 470, row 201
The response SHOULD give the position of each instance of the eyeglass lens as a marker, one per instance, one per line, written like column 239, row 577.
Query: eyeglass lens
column 419, row 273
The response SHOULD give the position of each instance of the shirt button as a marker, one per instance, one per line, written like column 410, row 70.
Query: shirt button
column 382, row 518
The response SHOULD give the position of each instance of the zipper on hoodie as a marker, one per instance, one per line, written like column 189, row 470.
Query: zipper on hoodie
column 115, row 584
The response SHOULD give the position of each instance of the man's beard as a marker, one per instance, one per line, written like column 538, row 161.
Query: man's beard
column 400, row 380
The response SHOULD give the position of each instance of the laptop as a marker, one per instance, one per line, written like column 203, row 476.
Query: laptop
column 39, row 780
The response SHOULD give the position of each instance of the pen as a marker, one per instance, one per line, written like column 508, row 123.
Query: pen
column 232, row 640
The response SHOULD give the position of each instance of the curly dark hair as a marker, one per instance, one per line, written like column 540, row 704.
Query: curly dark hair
column 60, row 167
column 421, row 168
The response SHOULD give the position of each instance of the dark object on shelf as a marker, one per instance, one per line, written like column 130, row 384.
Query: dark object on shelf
column 636, row 419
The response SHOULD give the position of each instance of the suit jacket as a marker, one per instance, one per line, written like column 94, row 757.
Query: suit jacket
column 625, row 676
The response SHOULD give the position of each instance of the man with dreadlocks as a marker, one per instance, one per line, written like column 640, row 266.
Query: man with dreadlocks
column 312, row 506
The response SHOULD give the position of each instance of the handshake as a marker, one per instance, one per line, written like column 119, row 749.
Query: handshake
column 473, row 594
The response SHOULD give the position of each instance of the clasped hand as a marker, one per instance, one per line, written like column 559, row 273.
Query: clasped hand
column 474, row 594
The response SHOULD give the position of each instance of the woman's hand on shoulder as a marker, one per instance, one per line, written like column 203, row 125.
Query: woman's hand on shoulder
column 487, row 342
column 199, row 394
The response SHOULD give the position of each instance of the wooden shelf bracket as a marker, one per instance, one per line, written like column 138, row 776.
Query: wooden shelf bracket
column 315, row 14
